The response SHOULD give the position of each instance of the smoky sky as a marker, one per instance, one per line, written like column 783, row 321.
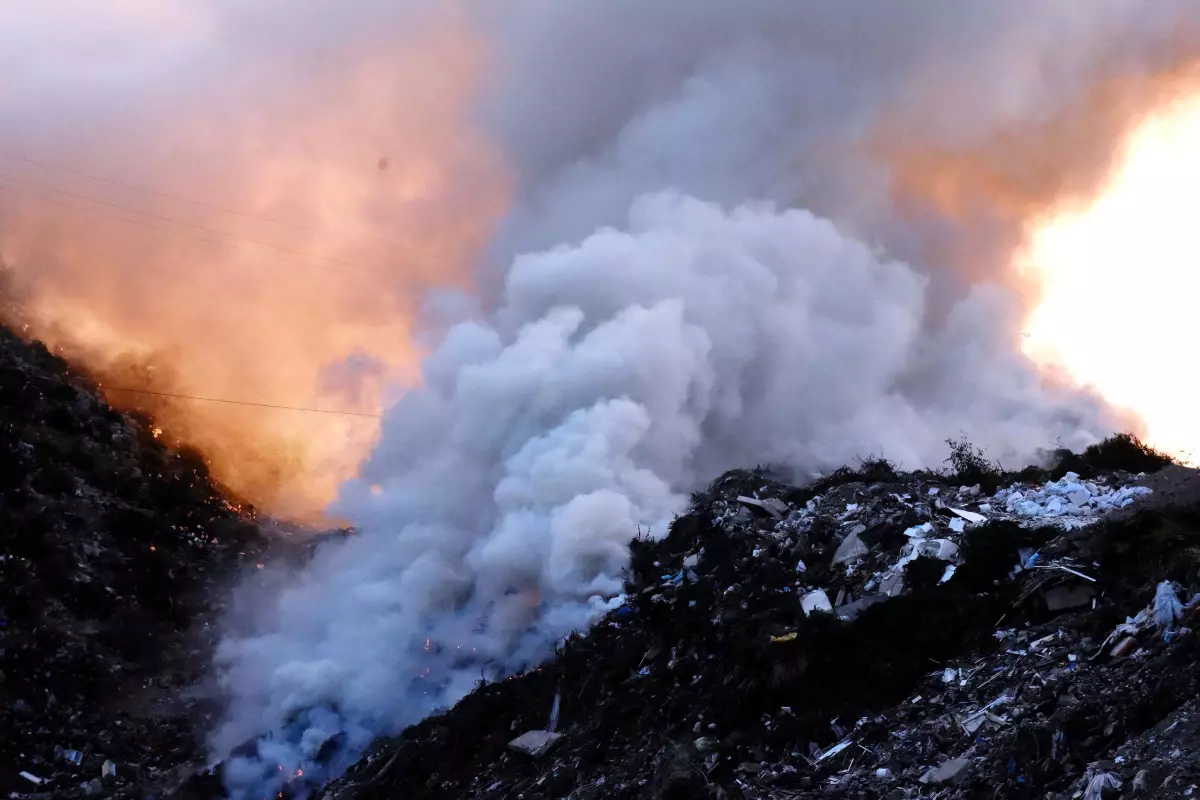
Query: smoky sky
column 703, row 235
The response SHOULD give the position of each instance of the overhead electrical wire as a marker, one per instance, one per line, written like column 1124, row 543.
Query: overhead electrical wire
column 160, row 217
column 13, row 183
column 226, row 401
column 133, row 187
column 233, row 244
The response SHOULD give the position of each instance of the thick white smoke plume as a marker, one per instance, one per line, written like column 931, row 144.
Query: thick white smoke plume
column 661, row 309
column 497, row 510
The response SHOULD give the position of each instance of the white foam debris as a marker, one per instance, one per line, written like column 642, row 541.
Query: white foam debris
column 1067, row 503
column 1067, row 498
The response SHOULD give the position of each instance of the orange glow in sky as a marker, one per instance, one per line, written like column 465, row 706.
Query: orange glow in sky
column 1120, row 282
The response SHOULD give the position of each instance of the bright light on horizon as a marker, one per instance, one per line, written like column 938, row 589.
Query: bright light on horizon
column 1120, row 283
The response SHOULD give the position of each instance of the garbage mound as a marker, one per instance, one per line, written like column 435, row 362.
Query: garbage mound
column 872, row 634
column 113, row 552
column 875, row 634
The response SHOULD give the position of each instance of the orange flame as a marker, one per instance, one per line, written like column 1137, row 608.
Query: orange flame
column 1119, row 281
column 386, row 190
column 1080, row 213
column 992, row 186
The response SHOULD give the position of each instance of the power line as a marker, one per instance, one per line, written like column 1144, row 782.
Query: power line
column 142, row 223
column 240, row 402
column 162, row 218
column 155, row 192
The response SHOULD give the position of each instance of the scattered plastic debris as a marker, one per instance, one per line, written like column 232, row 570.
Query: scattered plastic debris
column 535, row 743
column 1068, row 498
column 970, row 516
column 1098, row 783
column 1167, row 608
column 70, row 756
column 966, row 684
column 773, row 506
column 815, row 601
column 950, row 772
column 833, row 751
column 851, row 549
column 1139, row 781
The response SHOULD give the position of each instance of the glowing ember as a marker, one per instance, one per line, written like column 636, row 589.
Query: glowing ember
column 1119, row 282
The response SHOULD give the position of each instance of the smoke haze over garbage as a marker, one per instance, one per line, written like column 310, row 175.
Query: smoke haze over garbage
column 663, row 240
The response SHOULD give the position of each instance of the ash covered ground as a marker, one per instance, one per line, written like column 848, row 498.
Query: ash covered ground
column 964, row 633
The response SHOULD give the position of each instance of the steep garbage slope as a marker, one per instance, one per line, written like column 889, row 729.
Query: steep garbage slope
column 876, row 634
column 112, row 552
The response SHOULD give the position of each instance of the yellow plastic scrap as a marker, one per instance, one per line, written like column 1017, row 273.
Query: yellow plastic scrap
column 787, row 637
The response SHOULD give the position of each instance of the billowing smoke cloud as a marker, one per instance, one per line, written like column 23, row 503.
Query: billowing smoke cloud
column 498, row 507
column 372, row 148
column 931, row 127
column 691, row 278
column 934, row 129
column 735, row 233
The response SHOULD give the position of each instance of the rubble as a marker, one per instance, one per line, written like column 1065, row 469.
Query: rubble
column 1067, row 596
column 952, row 771
column 772, row 505
column 535, row 743
column 1010, row 657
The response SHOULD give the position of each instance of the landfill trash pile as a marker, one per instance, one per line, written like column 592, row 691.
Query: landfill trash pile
column 872, row 635
column 875, row 633
column 113, row 550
